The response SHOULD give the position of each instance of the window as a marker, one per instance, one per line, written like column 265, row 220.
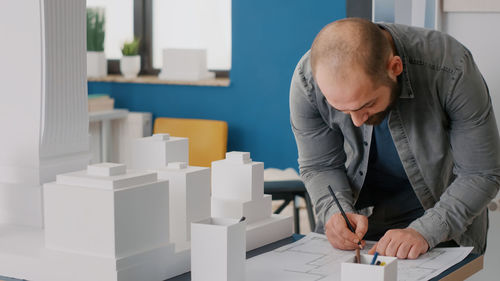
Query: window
column 168, row 24
column 204, row 24
column 119, row 24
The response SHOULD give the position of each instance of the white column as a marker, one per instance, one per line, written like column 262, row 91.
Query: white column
column 43, row 113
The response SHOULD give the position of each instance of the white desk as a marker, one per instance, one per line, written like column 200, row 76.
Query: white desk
column 105, row 117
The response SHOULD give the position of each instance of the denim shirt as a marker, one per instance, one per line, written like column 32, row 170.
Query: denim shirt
column 443, row 128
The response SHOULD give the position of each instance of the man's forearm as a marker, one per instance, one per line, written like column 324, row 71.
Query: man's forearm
column 464, row 199
column 317, row 182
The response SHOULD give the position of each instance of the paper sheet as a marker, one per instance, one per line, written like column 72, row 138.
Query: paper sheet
column 312, row 258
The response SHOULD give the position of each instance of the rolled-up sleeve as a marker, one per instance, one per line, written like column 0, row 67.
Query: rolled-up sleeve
column 320, row 149
column 475, row 147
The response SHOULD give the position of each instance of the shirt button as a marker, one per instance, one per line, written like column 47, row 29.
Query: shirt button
column 365, row 143
column 360, row 173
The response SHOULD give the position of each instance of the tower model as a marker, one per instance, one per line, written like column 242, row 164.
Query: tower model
column 189, row 188
column 238, row 191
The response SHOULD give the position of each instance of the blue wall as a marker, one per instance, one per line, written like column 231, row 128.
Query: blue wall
column 269, row 37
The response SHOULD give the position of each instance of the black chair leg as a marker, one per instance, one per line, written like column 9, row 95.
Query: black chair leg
column 310, row 212
column 296, row 215
column 283, row 206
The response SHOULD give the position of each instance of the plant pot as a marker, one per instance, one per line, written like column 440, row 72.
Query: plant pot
column 130, row 66
column 97, row 66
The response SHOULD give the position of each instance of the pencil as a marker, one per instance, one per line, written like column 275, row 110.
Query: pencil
column 374, row 258
column 343, row 213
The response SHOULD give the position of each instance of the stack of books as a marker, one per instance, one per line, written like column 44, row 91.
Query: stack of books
column 100, row 102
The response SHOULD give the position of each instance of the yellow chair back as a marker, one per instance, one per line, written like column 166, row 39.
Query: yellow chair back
column 207, row 138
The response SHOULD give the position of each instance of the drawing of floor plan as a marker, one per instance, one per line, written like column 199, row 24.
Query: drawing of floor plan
column 313, row 258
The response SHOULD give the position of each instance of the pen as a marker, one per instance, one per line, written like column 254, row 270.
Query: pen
column 343, row 213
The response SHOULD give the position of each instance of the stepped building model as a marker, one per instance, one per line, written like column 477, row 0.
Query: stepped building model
column 111, row 223
column 237, row 187
column 157, row 151
column 238, row 191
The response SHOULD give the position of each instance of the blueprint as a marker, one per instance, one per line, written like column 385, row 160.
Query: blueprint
column 312, row 258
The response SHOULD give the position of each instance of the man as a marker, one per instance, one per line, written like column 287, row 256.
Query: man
column 399, row 121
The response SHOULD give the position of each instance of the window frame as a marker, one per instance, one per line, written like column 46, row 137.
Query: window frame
column 143, row 28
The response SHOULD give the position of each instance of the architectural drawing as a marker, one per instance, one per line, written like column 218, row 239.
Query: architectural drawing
column 313, row 258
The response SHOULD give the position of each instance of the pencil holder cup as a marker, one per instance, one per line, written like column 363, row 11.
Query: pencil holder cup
column 218, row 250
column 351, row 271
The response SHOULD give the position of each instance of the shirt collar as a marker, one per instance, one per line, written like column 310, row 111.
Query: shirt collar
column 406, row 87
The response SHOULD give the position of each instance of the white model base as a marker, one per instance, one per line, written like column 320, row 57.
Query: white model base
column 24, row 256
column 267, row 231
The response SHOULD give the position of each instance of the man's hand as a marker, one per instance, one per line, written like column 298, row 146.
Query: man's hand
column 401, row 243
column 339, row 235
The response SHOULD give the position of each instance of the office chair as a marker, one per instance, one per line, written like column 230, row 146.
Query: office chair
column 283, row 185
column 207, row 138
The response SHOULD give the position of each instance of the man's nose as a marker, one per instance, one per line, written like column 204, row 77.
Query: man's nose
column 358, row 118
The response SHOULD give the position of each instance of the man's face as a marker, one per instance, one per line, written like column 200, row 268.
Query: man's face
column 355, row 94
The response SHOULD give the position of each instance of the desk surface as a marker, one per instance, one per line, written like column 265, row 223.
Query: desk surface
column 460, row 271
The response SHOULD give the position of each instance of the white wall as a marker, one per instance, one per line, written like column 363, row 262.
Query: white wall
column 479, row 32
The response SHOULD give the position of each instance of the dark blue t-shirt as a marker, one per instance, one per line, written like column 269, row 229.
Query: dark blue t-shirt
column 386, row 187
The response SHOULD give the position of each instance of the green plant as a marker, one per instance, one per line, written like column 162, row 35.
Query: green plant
column 95, row 29
column 131, row 48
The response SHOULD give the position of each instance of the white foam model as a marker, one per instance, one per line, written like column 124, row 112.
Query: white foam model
column 107, row 211
column 120, row 216
column 103, row 223
column 238, row 190
column 150, row 153
column 218, row 250
column 185, row 65
column 44, row 92
column 189, row 199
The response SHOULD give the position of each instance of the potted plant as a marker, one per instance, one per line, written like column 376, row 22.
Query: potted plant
column 96, row 59
column 130, row 63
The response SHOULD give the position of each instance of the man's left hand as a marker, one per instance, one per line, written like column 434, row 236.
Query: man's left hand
column 402, row 243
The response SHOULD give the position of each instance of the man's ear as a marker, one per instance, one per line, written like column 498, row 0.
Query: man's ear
column 395, row 67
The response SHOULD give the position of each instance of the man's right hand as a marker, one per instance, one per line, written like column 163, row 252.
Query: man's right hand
column 339, row 235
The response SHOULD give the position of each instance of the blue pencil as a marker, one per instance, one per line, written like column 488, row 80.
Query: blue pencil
column 374, row 258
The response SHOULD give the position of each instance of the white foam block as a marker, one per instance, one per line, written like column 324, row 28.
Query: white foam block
column 84, row 179
column 189, row 199
column 253, row 210
column 238, row 157
column 157, row 151
column 106, row 169
column 106, row 222
column 231, row 180
column 268, row 231
column 218, row 250
column 24, row 256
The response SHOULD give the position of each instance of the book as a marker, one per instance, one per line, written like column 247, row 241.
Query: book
column 100, row 102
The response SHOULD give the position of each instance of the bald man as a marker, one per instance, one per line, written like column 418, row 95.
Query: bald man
column 399, row 121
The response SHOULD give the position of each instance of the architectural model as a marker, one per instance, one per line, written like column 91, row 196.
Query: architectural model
column 97, row 222
column 157, row 151
column 189, row 199
column 44, row 116
column 120, row 216
column 238, row 191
